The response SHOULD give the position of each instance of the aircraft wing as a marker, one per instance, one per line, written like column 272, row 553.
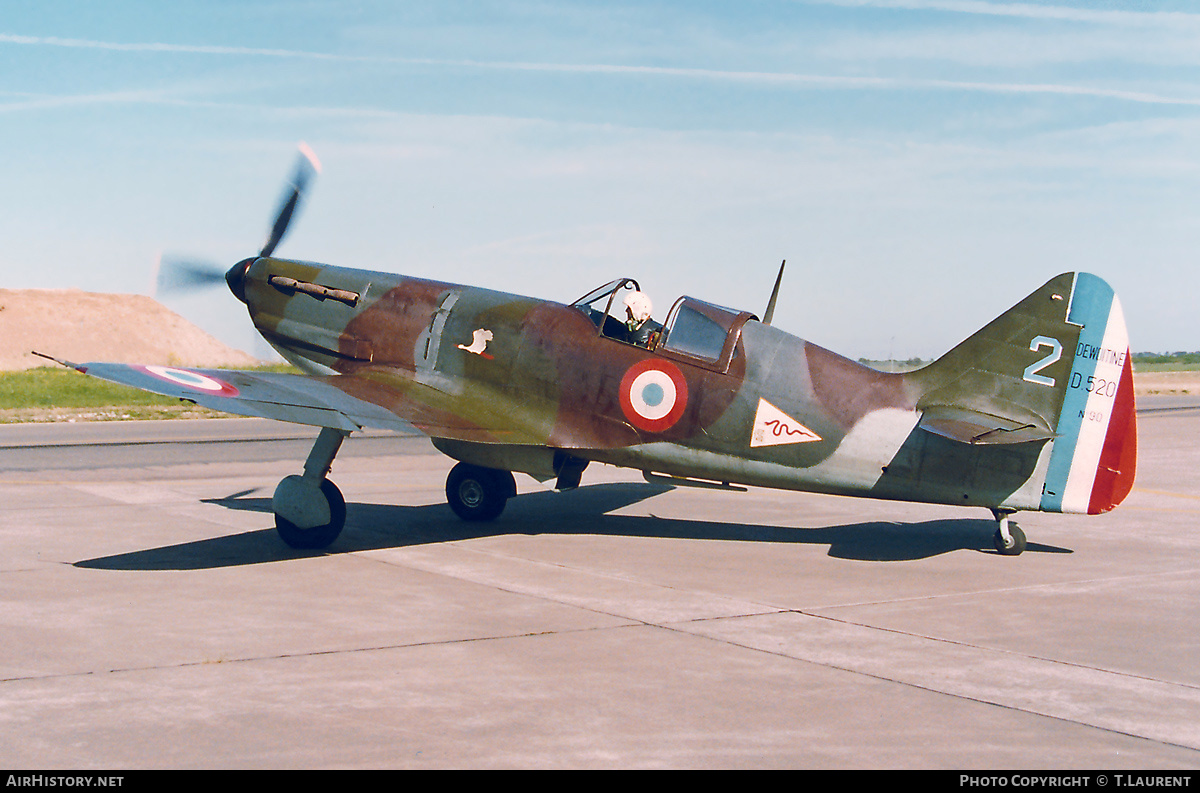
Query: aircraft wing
column 296, row 398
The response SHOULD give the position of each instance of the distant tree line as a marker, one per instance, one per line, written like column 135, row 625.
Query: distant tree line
column 1178, row 358
column 1167, row 357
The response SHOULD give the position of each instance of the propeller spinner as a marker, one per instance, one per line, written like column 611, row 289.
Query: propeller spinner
column 188, row 275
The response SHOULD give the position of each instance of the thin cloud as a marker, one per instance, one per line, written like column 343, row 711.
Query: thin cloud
column 1026, row 11
column 55, row 41
column 76, row 100
column 787, row 79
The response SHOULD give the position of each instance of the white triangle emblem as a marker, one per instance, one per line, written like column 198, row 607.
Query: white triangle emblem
column 773, row 427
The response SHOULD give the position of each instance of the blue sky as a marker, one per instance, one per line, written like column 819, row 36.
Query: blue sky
column 921, row 164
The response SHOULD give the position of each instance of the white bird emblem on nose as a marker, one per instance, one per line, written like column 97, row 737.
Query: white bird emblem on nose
column 479, row 340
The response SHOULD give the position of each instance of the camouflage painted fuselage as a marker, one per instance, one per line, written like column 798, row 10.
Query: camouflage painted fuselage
column 512, row 382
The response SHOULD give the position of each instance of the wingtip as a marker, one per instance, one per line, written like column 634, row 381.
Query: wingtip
column 69, row 364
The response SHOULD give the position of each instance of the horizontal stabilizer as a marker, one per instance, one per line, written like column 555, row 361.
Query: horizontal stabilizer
column 973, row 427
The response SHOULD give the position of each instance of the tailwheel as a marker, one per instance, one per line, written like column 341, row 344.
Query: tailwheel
column 1009, row 539
column 476, row 493
column 326, row 501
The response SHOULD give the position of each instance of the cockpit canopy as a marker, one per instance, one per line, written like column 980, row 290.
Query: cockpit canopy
column 698, row 332
column 604, row 307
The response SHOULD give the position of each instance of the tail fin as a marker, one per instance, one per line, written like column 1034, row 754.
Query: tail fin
column 1056, row 365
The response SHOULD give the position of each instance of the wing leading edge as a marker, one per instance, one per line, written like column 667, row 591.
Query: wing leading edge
column 295, row 398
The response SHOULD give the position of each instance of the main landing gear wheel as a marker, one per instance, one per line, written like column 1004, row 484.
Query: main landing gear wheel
column 310, row 511
column 318, row 536
column 479, row 494
column 1009, row 539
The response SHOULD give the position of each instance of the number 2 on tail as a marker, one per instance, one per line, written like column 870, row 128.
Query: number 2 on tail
column 1031, row 371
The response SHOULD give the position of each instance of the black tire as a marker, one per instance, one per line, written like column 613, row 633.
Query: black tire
column 318, row 536
column 1016, row 548
column 478, row 494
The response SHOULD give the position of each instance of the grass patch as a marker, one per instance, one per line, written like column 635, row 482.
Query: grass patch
column 65, row 388
column 54, row 394
column 1166, row 367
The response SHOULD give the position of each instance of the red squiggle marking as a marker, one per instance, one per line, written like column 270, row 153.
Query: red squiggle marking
column 781, row 428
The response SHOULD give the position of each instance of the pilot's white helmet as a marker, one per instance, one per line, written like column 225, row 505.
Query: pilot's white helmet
column 639, row 306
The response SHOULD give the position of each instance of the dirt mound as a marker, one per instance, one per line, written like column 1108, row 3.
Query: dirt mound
column 88, row 326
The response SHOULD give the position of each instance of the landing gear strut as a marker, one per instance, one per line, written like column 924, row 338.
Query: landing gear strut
column 479, row 494
column 309, row 509
column 1009, row 539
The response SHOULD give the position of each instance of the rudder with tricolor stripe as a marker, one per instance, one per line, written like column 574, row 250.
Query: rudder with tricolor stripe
column 1093, row 459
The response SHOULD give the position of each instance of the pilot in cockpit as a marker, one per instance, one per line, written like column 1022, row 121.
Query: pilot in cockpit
column 643, row 331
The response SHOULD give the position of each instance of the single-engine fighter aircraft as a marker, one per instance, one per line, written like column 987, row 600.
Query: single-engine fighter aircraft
column 1033, row 412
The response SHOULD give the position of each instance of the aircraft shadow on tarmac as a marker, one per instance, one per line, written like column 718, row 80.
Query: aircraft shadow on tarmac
column 583, row 511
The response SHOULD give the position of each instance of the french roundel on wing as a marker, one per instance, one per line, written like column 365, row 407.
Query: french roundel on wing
column 654, row 395
column 193, row 380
